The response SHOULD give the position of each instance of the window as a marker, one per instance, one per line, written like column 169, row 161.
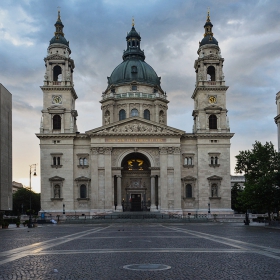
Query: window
column 83, row 191
column 56, row 122
column 212, row 122
column 56, row 160
column 57, row 73
column 133, row 87
column 134, row 70
column 188, row 191
column 214, row 159
column 188, row 161
column 211, row 73
column 147, row 114
column 83, row 161
column 134, row 113
column 122, row 115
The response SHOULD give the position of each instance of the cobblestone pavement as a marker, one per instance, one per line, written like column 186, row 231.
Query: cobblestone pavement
column 191, row 251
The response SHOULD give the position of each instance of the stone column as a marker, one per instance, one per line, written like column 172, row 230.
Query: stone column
column 119, row 193
column 157, row 114
column 163, row 178
column 153, row 193
column 108, row 175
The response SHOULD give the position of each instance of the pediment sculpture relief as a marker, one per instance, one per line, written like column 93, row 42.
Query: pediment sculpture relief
column 136, row 127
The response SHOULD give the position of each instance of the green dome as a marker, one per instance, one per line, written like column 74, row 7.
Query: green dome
column 58, row 34
column 134, row 70
column 59, row 39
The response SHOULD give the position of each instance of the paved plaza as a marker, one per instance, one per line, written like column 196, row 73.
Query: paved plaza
column 140, row 251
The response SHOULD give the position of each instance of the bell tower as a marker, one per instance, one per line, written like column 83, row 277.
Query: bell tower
column 58, row 114
column 210, row 113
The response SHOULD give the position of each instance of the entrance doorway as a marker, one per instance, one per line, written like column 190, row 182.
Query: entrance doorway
column 136, row 202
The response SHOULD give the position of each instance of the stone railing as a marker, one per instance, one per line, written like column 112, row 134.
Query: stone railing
column 133, row 95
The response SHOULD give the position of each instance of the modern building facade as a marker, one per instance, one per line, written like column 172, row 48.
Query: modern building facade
column 6, row 198
column 135, row 161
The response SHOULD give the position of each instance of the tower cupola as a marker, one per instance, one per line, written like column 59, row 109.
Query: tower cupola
column 58, row 34
column 133, row 49
column 208, row 35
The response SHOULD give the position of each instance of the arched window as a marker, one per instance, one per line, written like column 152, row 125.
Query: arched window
column 56, row 191
column 83, row 191
column 214, row 190
column 147, row 114
column 56, row 122
column 212, row 122
column 188, row 190
column 122, row 115
column 189, row 161
column 216, row 160
column 54, row 160
column 134, row 113
column 81, row 161
column 57, row 73
column 85, row 161
column 212, row 160
column 133, row 69
column 211, row 73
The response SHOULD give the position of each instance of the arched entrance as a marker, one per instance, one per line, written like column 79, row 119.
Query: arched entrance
column 136, row 182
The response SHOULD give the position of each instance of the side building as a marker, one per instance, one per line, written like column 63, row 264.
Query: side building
column 6, row 202
column 135, row 161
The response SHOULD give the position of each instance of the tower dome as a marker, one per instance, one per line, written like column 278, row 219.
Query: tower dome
column 133, row 68
column 58, row 34
column 208, row 35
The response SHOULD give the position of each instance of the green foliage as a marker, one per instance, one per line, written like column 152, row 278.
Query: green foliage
column 21, row 202
column 236, row 203
column 261, row 167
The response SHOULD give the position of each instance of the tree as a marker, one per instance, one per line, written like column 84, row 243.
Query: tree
column 236, row 203
column 21, row 202
column 261, row 167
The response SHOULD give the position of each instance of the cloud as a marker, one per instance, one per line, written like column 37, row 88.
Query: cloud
column 247, row 32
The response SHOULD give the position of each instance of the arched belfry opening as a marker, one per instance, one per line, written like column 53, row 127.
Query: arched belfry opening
column 211, row 73
column 57, row 74
column 136, row 182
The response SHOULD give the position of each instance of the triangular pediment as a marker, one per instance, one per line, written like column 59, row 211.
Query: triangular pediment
column 82, row 178
column 188, row 178
column 135, row 126
column 214, row 177
column 56, row 178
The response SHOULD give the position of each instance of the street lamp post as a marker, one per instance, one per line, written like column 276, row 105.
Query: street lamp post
column 32, row 168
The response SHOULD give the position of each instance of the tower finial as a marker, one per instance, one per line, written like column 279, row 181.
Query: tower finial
column 58, row 11
column 208, row 15
column 133, row 23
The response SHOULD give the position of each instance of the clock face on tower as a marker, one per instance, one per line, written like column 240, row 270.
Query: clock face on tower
column 56, row 99
column 212, row 99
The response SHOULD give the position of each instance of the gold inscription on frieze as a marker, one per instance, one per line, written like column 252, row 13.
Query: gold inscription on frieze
column 138, row 140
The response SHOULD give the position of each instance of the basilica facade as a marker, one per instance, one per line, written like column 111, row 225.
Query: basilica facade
column 135, row 161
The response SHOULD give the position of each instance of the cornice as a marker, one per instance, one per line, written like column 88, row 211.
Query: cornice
column 60, row 88
column 55, row 136
column 208, row 88
column 207, row 135
column 277, row 118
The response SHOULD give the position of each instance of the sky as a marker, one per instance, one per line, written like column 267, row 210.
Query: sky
column 248, row 33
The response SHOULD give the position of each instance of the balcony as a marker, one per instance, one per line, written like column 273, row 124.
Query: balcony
column 133, row 95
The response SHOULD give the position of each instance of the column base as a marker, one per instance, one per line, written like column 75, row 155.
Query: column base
column 119, row 209
column 153, row 208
